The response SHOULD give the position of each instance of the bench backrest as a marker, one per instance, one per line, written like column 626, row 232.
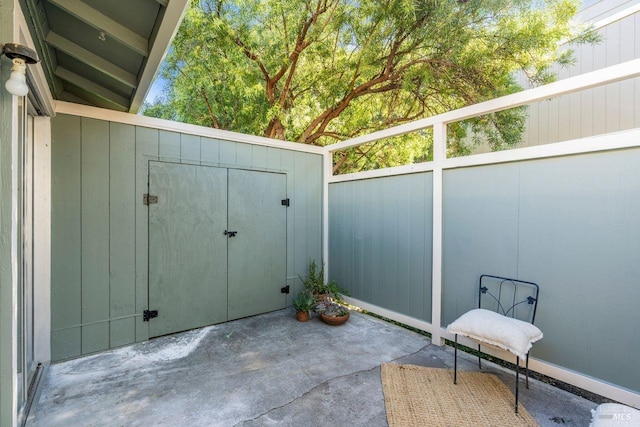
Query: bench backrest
column 509, row 297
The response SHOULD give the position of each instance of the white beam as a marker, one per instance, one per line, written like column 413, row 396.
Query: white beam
column 92, row 87
column 166, row 32
column 626, row 70
column 327, row 172
column 91, row 59
column 152, row 122
column 101, row 22
column 42, row 239
column 439, row 154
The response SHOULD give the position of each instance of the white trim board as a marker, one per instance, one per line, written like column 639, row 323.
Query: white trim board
column 390, row 314
column 615, row 73
column 42, row 239
column 40, row 87
column 619, row 394
column 607, row 142
column 63, row 107
column 617, row 16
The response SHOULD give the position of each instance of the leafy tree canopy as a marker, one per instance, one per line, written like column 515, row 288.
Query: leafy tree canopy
column 321, row 71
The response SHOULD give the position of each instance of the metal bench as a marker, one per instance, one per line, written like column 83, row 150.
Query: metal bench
column 504, row 319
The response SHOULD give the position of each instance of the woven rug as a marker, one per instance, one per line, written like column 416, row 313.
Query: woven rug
column 416, row 396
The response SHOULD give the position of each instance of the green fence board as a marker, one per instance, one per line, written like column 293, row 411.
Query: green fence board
column 95, row 230
column 66, row 224
column 189, row 148
column 169, row 145
column 147, row 148
column 122, row 238
column 209, row 151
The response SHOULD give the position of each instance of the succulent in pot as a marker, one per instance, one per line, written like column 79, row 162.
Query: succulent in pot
column 303, row 303
column 332, row 313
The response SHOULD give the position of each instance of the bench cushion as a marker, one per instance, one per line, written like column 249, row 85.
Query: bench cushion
column 495, row 329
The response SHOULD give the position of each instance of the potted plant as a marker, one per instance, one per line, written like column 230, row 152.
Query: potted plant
column 316, row 285
column 303, row 303
column 332, row 313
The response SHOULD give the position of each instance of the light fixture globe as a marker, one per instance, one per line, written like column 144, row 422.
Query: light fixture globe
column 17, row 83
column 20, row 56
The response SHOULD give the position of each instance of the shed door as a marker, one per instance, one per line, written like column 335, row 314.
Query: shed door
column 199, row 273
column 187, row 250
column 257, row 254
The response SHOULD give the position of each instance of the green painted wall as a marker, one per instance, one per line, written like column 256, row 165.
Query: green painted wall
column 7, row 209
column 570, row 224
column 99, row 273
column 380, row 237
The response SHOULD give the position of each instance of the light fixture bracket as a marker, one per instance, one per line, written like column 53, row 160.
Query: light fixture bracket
column 15, row 50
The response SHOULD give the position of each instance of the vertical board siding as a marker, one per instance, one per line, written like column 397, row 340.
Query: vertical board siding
column 147, row 148
column 380, row 241
column 604, row 109
column 189, row 148
column 210, row 151
column 95, row 234
column 571, row 225
column 122, row 237
column 100, row 172
column 169, row 148
column 66, row 244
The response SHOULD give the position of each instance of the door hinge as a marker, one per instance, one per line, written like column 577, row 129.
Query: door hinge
column 285, row 202
column 149, row 200
column 284, row 290
column 149, row 314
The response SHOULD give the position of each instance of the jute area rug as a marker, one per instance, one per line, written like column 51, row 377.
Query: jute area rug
column 415, row 396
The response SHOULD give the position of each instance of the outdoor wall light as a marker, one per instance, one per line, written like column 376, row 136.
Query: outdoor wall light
column 20, row 56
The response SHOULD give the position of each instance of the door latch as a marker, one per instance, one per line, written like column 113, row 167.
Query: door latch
column 230, row 233
column 149, row 314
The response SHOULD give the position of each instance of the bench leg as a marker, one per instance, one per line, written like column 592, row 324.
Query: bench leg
column 479, row 358
column 517, row 379
column 527, row 370
column 455, row 361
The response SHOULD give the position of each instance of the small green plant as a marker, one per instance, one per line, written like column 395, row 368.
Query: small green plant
column 315, row 284
column 303, row 302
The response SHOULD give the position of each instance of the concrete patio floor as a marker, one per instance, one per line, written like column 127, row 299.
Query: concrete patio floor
column 260, row 371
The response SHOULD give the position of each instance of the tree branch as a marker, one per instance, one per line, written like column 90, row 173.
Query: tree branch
column 208, row 104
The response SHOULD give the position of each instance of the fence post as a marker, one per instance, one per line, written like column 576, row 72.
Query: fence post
column 327, row 173
column 439, row 155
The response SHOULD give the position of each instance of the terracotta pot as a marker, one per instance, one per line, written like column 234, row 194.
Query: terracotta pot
column 302, row 316
column 320, row 298
column 334, row 320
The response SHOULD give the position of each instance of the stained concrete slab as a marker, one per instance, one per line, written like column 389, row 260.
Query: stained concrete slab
column 261, row 371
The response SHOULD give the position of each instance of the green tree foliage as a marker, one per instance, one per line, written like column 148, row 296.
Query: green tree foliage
column 321, row 71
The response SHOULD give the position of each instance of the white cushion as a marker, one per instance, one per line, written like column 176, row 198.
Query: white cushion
column 495, row 329
column 614, row 415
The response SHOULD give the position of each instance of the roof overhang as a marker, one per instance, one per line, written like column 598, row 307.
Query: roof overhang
column 102, row 53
